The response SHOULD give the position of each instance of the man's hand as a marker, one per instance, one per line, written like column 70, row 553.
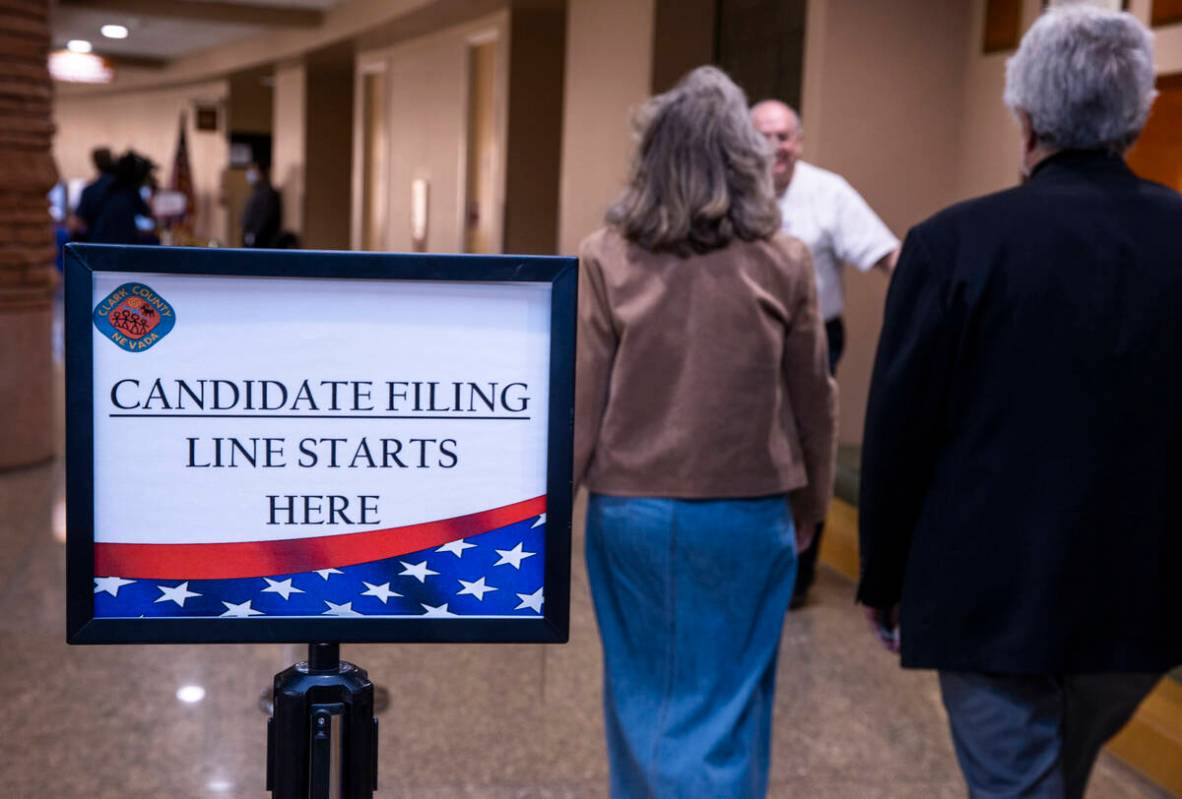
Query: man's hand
column 805, row 533
column 888, row 262
column 885, row 624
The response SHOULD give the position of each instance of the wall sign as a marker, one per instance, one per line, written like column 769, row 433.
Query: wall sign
column 297, row 446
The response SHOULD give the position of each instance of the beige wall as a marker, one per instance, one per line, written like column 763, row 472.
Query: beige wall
column 912, row 119
column 249, row 105
column 608, row 72
column 533, row 161
column 427, row 101
column 328, row 155
column 147, row 121
column 989, row 148
column 915, row 122
column 288, row 141
column 880, row 100
column 426, row 80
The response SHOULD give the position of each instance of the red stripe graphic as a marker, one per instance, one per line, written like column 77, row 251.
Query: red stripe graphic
column 293, row 555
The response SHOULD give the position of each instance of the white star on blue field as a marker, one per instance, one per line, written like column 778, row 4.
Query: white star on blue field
column 498, row 573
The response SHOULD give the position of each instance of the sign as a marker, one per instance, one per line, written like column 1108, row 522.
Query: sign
column 296, row 446
column 205, row 117
column 169, row 202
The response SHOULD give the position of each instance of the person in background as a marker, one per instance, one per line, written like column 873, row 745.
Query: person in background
column 113, row 220
column 93, row 195
column 825, row 212
column 705, row 433
column 263, row 215
column 62, row 219
column 1023, row 444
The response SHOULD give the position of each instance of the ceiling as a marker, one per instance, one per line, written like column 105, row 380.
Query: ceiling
column 161, row 30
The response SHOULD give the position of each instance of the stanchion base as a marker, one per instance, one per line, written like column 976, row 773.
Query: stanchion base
column 322, row 739
column 381, row 700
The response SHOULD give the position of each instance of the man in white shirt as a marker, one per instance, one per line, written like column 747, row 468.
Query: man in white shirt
column 825, row 212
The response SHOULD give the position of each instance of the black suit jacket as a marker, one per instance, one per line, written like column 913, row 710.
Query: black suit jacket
column 1022, row 462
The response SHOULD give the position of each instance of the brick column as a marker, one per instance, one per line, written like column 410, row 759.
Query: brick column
column 27, row 275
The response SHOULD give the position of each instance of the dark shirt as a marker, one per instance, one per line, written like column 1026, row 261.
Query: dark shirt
column 91, row 201
column 263, row 216
column 113, row 221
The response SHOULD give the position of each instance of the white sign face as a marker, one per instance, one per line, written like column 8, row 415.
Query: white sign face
column 309, row 447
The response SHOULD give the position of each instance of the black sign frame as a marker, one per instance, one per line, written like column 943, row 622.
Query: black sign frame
column 83, row 260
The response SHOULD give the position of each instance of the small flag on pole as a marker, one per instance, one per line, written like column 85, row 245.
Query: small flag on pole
column 182, row 183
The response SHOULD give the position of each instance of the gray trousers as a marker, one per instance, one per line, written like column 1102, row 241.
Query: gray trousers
column 1036, row 736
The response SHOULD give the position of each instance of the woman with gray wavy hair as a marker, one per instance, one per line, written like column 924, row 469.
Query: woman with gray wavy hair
column 705, row 433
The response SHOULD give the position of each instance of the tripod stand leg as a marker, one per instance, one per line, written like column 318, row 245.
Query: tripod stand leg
column 322, row 738
column 324, row 761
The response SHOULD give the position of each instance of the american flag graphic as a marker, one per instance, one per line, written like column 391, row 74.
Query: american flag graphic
column 498, row 573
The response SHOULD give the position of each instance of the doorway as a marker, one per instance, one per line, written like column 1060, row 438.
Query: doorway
column 370, row 228
column 249, row 110
column 760, row 44
column 480, row 180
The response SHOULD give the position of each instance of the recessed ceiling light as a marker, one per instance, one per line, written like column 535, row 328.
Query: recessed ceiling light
column 114, row 31
column 78, row 46
column 71, row 67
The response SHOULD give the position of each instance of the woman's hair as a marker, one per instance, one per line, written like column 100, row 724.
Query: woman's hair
column 701, row 176
column 1085, row 77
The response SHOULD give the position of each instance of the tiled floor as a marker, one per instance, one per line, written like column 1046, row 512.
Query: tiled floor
column 465, row 721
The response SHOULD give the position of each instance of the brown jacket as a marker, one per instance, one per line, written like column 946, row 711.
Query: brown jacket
column 703, row 377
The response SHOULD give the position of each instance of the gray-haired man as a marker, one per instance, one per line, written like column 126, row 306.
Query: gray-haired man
column 824, row 211
column 1023, row 445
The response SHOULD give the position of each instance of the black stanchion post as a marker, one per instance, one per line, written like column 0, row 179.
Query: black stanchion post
column 322, row 739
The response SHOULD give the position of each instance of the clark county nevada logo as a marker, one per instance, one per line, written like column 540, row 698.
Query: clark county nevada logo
column 134, row 317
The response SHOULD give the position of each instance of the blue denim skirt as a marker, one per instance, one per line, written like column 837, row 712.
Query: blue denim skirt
column 690, row 596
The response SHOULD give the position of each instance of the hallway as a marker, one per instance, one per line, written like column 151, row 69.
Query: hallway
column 480, row 722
